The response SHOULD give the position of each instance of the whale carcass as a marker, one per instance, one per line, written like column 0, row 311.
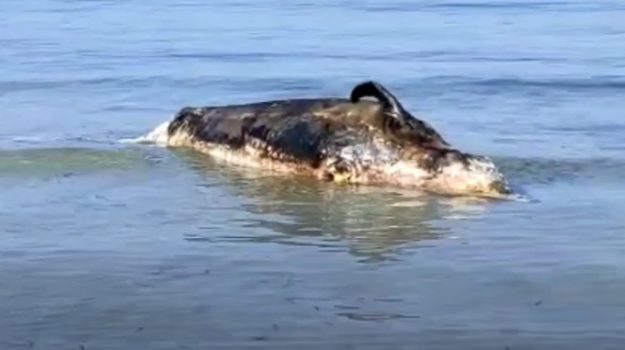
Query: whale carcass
column 368, row 138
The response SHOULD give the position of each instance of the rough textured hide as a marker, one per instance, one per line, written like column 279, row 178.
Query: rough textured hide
column 347, row 140
column 305, row 131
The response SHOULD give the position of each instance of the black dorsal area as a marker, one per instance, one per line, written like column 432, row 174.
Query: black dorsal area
column 376, row 90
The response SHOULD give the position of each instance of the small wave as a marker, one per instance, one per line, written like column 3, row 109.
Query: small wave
column 157, row 136
column 532, row 171
column 526, row 5
column 29, row 139
column 50, row 141
column 472, row 5
column 234, row 84
column 594, row 83
column 12, row 86
column 65, row 161
column 523, row 85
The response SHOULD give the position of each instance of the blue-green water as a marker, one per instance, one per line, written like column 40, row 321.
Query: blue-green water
column 110, row 245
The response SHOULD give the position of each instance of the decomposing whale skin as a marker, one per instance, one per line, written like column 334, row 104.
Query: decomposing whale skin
column 354, row 140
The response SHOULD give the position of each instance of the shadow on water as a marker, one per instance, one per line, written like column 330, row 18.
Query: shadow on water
column 376, row 223
column 373, row 224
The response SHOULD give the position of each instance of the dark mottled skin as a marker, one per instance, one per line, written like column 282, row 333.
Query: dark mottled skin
column 311, row 131
column 288, row 126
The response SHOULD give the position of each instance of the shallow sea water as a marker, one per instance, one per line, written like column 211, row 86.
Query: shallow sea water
column 110, row 245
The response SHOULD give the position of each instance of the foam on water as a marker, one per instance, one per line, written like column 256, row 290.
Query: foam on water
column 158, row 136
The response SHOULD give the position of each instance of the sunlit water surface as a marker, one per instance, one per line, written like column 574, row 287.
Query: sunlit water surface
column 109, row 245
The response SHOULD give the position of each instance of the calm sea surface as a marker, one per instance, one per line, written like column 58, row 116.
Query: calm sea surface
column 110, row 245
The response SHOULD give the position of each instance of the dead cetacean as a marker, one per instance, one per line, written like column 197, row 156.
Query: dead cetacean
column 356, row 140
